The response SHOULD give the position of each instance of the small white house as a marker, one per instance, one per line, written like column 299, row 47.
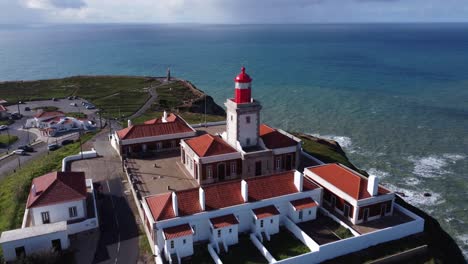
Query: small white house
column 266, row 221
column 178, row 241
column 25, row 241
column 56, row 197
column 224, row 230
column 303, row 210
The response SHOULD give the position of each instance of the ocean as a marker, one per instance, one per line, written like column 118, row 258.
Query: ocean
column 395, row 96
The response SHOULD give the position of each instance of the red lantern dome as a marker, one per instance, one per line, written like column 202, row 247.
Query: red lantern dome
column 243, row 77
column 243, row 93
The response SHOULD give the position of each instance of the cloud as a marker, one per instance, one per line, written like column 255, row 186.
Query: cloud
column 55, row 4
column 74, row 4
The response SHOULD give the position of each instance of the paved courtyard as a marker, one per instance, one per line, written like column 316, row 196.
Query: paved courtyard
column 211, row 130
column 161, row 173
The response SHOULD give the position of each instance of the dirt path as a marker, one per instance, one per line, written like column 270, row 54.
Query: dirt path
column 149, row 102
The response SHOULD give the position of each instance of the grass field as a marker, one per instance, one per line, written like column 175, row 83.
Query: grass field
column 115, row 94
column 5, row 140
column 244, row 252
column 285, row 245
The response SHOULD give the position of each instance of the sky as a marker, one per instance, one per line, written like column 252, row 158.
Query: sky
column 231, row 11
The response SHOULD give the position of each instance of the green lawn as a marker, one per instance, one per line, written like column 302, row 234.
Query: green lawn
column 15, row 186
column 46, row 108
column 114, row 94
column 173, row 95
column 6, row 140
column 6, row 122
column 76, row 114
column 285, row 245
column 243, row 252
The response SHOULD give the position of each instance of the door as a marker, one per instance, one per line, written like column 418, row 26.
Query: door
column 288, row 162
column 20, row 252
column 346, row 210
column 56, row 245
column 258, row 168
column 366, row 214
column 383, row 209
column 221, row 171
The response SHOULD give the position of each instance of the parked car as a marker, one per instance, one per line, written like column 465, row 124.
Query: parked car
column 90, row 106
column 19, row 152
column 53, row 146
column 67, row 141
column 3, row 127
column 27, row 109
column 54, row 99
column 26, row 148
column 73, row 104
column 16, row 116
column 70, row 97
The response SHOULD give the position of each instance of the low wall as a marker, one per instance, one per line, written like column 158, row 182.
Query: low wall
column 301, row 235
column 82, row 155
column 262, row 249
column 208, row 124
column 332, row 216
column 311, row 157
column 353, row 244
column 213, row 255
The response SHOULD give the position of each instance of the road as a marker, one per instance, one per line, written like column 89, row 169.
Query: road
column 22, row 135
column 118, row 241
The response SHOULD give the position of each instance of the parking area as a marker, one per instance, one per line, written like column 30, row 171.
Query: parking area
column 63, row 105
column 161, row 173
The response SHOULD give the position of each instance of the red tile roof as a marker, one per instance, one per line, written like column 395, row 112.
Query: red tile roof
column 345, row 179
column 209, row 145
column 273, row 139
column 303, row 203
column 153, row 129
column 266, row 211
column 2, row 108
column 170, row 118
column 266, row 187
column 161, row 206
column 57, row 187
column 223, row 221
column 225, row 194
column 177, row 231
column 49, row 114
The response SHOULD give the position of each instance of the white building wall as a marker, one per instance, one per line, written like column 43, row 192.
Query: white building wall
column 307, row 214
column 230, row 238
column 58, row 212
column 34, row 244
column 270, row 225
column 181, row 248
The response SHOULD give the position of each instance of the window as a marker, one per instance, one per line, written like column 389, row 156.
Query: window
column 261, row 223
column 159, row 145
column 209, row 172
column 278, row 163
column 219, row 233
column 45, row 217
column 72, row 212
column 310, row 212
column 184, row 241
column 271, row 221
column 247, row 141
column 232, row 117
column 233, row 168
column 247, row 119
column 172, row 243
column 230, row 230
column 20, row 252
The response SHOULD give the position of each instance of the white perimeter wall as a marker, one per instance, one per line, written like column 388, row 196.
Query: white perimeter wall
column 58, row 212
column 34, row 244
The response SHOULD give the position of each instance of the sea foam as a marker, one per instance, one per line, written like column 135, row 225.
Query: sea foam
column 433, row 166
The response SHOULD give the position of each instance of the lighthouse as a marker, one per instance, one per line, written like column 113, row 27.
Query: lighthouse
column 243, row 114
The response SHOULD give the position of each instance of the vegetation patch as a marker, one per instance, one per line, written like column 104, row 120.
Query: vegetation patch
column 6, row 140
column 285, row 245
column 46, row 108
column 6, row 122
column 56, row 257
column 76, row 115
column 200, row 255
column 243, row 252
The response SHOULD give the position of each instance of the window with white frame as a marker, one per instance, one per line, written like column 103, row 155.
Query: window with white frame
column 247, row 141
column 172, row 243
column 278, row 163
column 72, row 212
column 209, row 172
column 271, row 221
column 219, row 233
column 230, row 230
column 184, row 241
column 45, row 217
column 233, row 168
column 261, row 223
column 247, row 119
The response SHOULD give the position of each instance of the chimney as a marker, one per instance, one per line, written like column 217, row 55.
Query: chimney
column 373, row 185
column 129, row 123
column 201, row 197
column 245, row 190
column 164, row 119
column 298, row 180
column 175, row 205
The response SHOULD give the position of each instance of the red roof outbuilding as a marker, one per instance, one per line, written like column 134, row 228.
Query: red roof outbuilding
column 303, row 203
column 57, row 187
column 177, row 231
column 266, row 211
column 224, row 221
column 155, row 127
column 209, row 145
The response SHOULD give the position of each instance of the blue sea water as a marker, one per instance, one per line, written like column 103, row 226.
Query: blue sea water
column 394, row 95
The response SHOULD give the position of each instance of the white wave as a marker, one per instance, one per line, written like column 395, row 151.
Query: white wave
column 417, row 197
column 412, row 181
column 433, row 166
column 378, row 173
column 464, row 241
column 345, row 142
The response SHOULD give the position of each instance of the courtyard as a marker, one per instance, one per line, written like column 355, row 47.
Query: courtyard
column 285, row 245
column 324, row 230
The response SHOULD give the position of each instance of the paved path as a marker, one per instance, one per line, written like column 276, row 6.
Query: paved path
column 151, row 100
column 118, row 240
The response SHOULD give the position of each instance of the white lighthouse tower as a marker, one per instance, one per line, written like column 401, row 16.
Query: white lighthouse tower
column 243, row 114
